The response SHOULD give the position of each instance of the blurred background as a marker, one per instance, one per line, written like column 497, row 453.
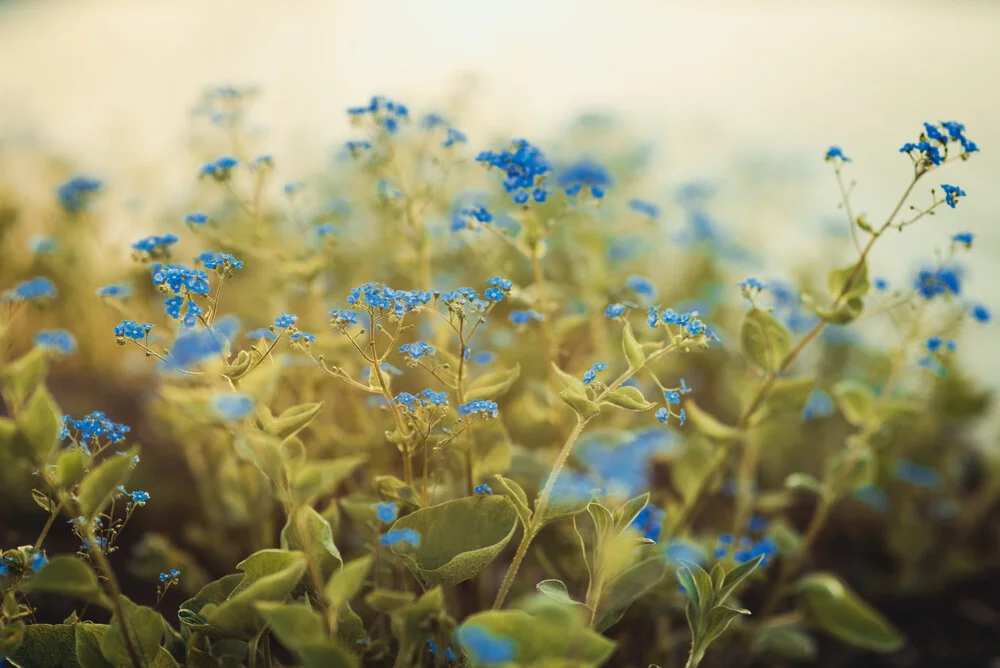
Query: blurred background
column 744, row 97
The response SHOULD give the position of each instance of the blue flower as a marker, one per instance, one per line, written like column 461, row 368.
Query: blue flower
column 585, row 173
column 469, row 217
column 524, row 317
column 219, row 169
column 928, row 153
column 398, row 536
column 483, row 647
column 591, row 375
column 170, row 576
column 386, row 511
column 75, row 194
column 262, row 333
column 980, row 313
column 964, row 238
column 196, row 345
column 484, row 357
column 92, row 427
column 942, row 281
column 155, row 244
column 525, row 168
column 951, row 194
column 285, row 320
column 139, row 497
column 645, row 208
column 196, row 218
column 180, row 279
column 642, row 286
column 38, row 561
column 302, row 337
column 381, row 296
column 835, row 152
column 34, row 289
column 481, row 407
column 614, row 310
column 752, row 284
column 917, row 475
column 116, row 290
column 483, row 489
column 211, row 260
column 232, row 406
column 649, row 522
column 56, row 340
column 130, row 329
column 383, row 112
column 358, row 146
column 343, row 317
column 454, row 137
column 819, row 404
column 880, row 284
column 757, row 523
column 416, row 350
column 873, row 496
column 678, row 552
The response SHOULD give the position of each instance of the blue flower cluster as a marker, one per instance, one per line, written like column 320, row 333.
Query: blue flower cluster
column 591, row 375
column 524, row 317
column 195, row 345
column 481, row 407
column 525, row 168
column 196, row 219
column 91, row 428
column 399, row 536
column 951, row 194
column 582, row 174
column 498, row 287
column 836, row 153
column 746, row 550
column 34, row 289
column 649, row 522
column 469, row 217
column 615, row 310
column 416, row 350
column 130, row 329
column 170, row 576
column 933, row 141
column 645, row 208
column 139, row 497
column 342, row 317
column 383, row 112
column 385, row 511
column 641, row 286
column 220, row 169
column 232, row 407
column 942, row 281
column 155, row 246
column 115, row 291
column 213, row 260
column 57, row 340
column 285, row 320
column 427, row 397
column 380, row 296
column 74, row 194
column 482, row 489
column 689, row 322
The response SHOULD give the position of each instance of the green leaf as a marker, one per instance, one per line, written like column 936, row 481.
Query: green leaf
column 99, row 484
column 316, row 479
column 25, row 374
column 11, row 636
column 447, row 556
column 627, row 587
column 534, row 638
column 685, row 575
column 491, row 449
column 856, row 401
column 787, row 396
column 308, row 532
column 271, row 575
column 263, row 450
column 145, row 628
column 261, row 384
column 68, row 576
column 572, row 382
column 556, row 590
column 709, row 425
column 843, row 315
column 493, row 384
column 765, row 341
column 392, row 488
column 517, row 496
column 628, row 511
column 583, row 406
column 70, row 467
column 718, row 575
column 629, row 398
column 40, row 422
column 841, row 613
column 46, row 646
column 295, row 624
column 735, row 577
column 387, row 601
column 88, row 645
column 851, row 468
column 804, row 481
column 603, row 520
column 213, row 594
column 837, row 279
column 43, row 501
column 329, row 654
column 293, row 420
column 348, row 581
column 718, row 620
column 633, row 351
column 785, row 641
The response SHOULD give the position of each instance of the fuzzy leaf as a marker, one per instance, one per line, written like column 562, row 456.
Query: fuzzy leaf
column 629, row 398
column 293, row 420
column 100, row 483
column 580, row 404
column 764, row 340
column 494, row 384
column 633, row 351
column 856, row 401
column 841, row 613
column 709, row 425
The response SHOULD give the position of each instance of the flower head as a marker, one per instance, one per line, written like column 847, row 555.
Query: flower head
column 57, row 340
column 76, row 193
column 585, row 173
column 478, row 407
column 400, row 536
column 591, row 375
column 525, row 168
column 524, row 317
column 37, row 289
column 386, row 511
column 836, row 153
column 951, row 194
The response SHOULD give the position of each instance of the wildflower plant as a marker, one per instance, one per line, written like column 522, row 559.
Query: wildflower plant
column 451, row 458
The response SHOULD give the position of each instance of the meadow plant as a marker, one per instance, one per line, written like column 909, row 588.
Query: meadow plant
column 457, row 408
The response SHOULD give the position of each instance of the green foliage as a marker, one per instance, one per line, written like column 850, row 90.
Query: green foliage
column 837, row 610
column 765, row 341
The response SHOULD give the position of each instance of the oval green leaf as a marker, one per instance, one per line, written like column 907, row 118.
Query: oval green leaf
column 842, row 614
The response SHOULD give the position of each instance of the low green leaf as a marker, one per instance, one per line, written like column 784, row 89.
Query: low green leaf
column 629, row 398
column 44, row 502
column 295, row 624
column 391, row 488
column 736, row 576
column 11, row 636
column 100, row 483
column 718, row 620
column 764, row 340
column 387, row 601
column 556, row 590
column 25, row 374
column 46, row 646
column 68, row 576
column 145, row 628
column 263, row 450
column 571, row 382
column 293, row 420
column 213, row 594
column 271, row 575
column 70, row 467
column 348, row 581
column 580, row 404
column 516, row 494
column 493, row 384
column 709, row 425
column 856, row 401
column 788, row 396
column 627, row 587
column 837, row 280
column 534, row 639
column 633, row 351
column 321, row 478
column 309, row 533
column 785, row 641
column 88, row 645
column 841, row 613
column 445, row 556
column 40, row 422
column 843, row 315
